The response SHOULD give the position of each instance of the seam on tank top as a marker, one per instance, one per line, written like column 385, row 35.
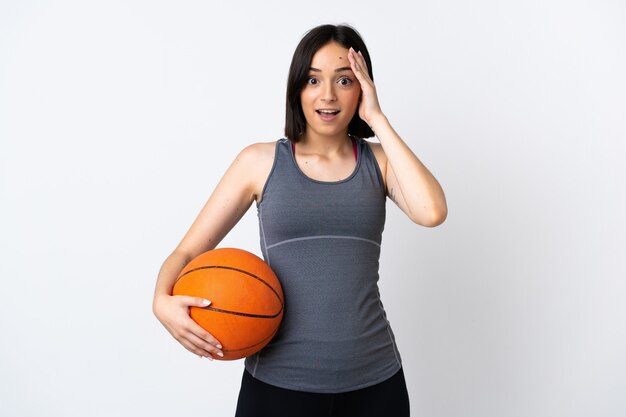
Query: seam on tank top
column 393, row 344
column 379, row 174
column 267, row 255
column 258, row 358
column 297, row 239
column 267, row 180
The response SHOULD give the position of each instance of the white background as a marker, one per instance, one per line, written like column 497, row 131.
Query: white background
column 117, row 119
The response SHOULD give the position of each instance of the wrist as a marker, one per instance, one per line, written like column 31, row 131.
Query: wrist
column 376, row 122
column 158, row 298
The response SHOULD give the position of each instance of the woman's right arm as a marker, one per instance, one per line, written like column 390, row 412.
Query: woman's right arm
column 239, row 187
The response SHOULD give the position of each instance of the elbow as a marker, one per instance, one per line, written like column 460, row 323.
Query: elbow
column 434, row 218
column 439, row 217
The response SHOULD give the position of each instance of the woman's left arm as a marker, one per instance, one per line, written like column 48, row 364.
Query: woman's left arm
column 409, row 183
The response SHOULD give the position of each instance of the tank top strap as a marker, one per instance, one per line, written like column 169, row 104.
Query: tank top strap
column 369, row 164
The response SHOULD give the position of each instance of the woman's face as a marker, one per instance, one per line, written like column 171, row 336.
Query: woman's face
column 332, row 86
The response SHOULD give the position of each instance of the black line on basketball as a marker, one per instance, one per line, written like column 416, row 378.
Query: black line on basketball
column 261, row 316
column 238, row 313
column 255, row 344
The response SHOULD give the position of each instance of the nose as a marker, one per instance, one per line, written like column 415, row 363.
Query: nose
column 328, row 93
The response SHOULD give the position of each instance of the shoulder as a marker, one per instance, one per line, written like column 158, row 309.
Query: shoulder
column 379, row 154
column 257, row 160
column 377, row 149
column 257, row 152
column 257, row 157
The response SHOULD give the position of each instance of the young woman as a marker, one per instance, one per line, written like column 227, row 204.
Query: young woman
column 320, row 194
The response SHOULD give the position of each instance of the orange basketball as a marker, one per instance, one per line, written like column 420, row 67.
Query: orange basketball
column 246, row 299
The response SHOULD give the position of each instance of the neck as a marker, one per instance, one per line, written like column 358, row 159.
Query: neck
column 322, row 144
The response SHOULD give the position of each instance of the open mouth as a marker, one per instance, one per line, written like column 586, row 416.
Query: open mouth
column 327, row 115
column 328, row 112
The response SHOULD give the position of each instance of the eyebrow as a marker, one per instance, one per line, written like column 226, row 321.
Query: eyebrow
column 337, row 70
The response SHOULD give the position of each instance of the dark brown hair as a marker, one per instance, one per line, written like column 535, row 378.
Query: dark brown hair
column 313, row 40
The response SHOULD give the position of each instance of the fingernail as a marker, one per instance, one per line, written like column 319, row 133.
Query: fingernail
column 209, row 358
column 218, row 346
column 206, row 302
column 221, row 354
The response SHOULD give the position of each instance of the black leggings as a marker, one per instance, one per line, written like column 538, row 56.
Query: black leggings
column 259, row 399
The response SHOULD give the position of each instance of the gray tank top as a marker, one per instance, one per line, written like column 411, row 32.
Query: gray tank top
column 322, row 239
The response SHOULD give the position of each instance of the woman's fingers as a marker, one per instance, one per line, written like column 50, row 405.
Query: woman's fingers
column 193, row 301
column 195, row 334
column 363, row 63
column 202, row 344
column 193, row 348
column 359, row 65
column 369, row 107
column 173, row 312
column 197, row 340
column 355, row 65
column 206, row 337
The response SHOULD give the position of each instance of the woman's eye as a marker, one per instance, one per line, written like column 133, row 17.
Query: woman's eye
column 311, row 80
column 345, row 81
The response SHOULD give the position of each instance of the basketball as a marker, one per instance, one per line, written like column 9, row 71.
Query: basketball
column 246, row 299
